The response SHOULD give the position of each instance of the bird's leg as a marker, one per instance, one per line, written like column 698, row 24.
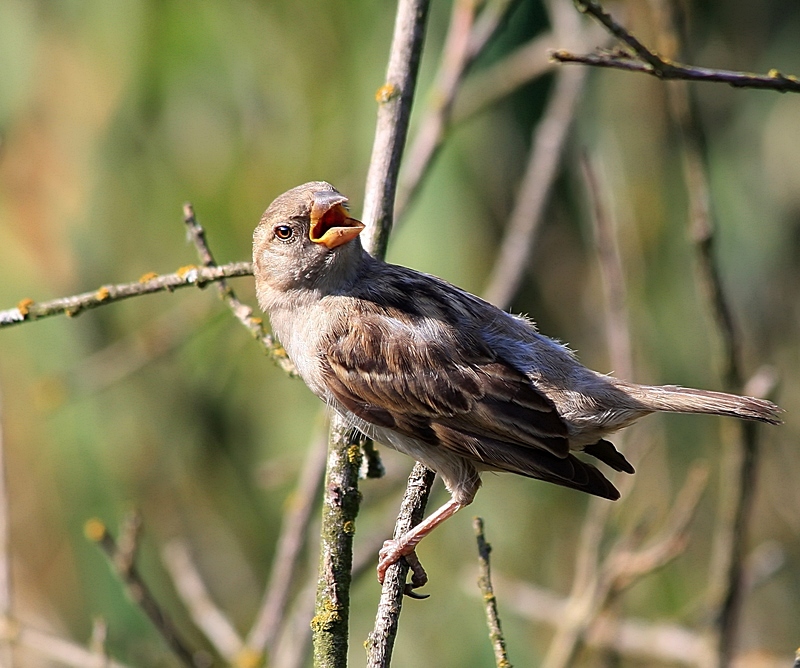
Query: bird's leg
column 400, row 547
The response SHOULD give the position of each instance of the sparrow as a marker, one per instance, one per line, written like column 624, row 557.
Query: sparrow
column 439, row 374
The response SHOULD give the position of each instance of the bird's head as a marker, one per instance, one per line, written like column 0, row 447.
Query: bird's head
column 306, row 238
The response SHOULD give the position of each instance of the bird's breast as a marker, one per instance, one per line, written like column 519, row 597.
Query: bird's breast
column 301, row 332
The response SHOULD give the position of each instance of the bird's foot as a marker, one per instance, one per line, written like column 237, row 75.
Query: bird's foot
column 391, row 553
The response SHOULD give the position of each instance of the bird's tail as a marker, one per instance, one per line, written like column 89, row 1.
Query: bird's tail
column 675, row 399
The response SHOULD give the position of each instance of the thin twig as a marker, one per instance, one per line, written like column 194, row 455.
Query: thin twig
column 189, row 584
column 489, row 598
column 122, row 557
column 642, row 59
column 294, row 529
column 242, row 311
column 549, row 137
column 97, row 643
column 380, row 642
column 28, row 310
column 452, row 67
column 394, row 98
column 62, row 652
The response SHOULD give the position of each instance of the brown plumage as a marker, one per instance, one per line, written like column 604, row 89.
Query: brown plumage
column 433, row 371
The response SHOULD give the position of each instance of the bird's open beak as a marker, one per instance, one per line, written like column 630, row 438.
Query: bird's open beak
column 331, row 225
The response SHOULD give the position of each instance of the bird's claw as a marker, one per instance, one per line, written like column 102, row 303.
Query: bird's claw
column 391, row 552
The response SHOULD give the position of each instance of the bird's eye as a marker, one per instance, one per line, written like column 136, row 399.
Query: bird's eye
column 284, row 232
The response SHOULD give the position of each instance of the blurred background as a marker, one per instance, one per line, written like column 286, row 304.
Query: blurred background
column 113, row 113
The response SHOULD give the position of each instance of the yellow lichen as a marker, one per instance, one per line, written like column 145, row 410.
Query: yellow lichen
column 94, row 530
column 354, row 454
column 24, row 306
column 149, row 276
column 182, row 271
column 386, row 92
column 349, row 527
column 329, row 615
column 102, row 294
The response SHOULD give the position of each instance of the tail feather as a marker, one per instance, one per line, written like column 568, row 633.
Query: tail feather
column 675, row 399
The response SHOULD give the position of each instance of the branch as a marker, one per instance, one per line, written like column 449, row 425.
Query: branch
column 340, row 507
column 188, row 582
column 242, row 312
column 394, row 99
column 642, row 59
column 489, row 598
column 64, row 652
column 380, row 642
column 122, row 556
column 28, row 310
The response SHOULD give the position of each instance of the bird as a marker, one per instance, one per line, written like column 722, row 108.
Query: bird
column 439, row 374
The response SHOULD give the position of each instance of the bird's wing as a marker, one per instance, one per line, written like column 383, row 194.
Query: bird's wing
column 416, row 378
column 449, row 390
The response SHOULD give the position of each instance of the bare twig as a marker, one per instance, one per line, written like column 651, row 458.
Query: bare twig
column 290, row 542
column 381, row 640
column 545, row 156
column 97, row 643
column 122, row 557
column 62, row 652
column 489, row 598
column 642, row 59
column 394, row 98
column 206, row 615
column 242, row 311
column 28, row 310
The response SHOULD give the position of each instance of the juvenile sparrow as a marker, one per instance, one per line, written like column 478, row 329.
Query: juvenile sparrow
column 439, row 374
